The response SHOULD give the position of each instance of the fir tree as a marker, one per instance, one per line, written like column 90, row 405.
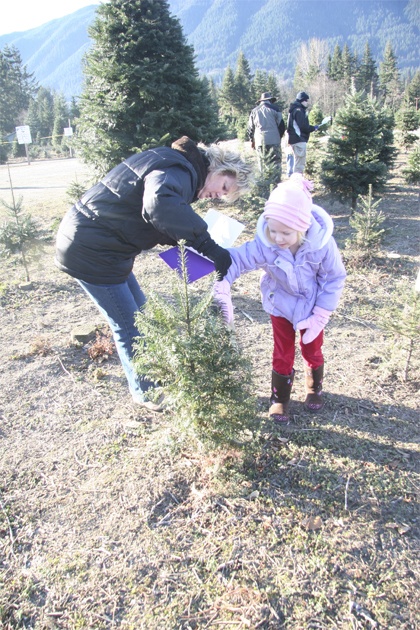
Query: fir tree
column 335, row 65
column 40, row 115
column 401, row 319
column 360, row 148
column 141, row 84
column 412, row 172
column 203, row 375
column 412, row 92
column 367, row 221
column 61, row 119
column 407, row 122
column 349, row 65
column 17, row 86
column 243, row 86
column 367, row 77
column 389, row 78
column 18, row 235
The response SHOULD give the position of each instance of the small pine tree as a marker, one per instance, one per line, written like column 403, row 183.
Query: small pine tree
column 401, row 319
column 408, row 121
column 366, row 222
column 203, row 375
column 19, row 234
column 412, row 172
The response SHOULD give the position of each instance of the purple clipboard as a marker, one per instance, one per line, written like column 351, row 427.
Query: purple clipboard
column 197, row 266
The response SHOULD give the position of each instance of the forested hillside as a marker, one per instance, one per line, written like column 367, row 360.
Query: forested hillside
column 268, row 32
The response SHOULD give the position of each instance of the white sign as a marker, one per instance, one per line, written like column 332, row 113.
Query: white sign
column 68, row 131
column 23, row 134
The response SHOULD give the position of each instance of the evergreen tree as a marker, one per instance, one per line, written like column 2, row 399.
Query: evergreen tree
column 367, row 223
column 360, row 148
column 349, row 65
column 259, row 85
column 367, row 78
column 408, row 120
column 141, row 84
column 40, row 116
column 61, row 119
column 203, row 375
column 412, row 172
column 227, row 94
column 389, row 78
column 19, row 236
column 17, row 86
column 335, row 65
column 412, row 92
column 243, row 86
column 273, row 87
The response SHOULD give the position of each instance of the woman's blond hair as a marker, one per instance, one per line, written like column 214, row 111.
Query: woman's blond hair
column 223, row 161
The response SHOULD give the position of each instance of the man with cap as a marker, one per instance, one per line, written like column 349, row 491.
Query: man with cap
column 266, row 128
column 298, row 128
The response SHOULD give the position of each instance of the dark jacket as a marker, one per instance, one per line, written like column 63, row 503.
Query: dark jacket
column 298, row 126
column 142, row 202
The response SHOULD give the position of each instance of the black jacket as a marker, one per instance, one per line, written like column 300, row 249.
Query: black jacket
column 142, row 202
column 298, row 126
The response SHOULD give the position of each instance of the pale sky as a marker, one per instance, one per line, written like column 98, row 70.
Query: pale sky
column 22, row 15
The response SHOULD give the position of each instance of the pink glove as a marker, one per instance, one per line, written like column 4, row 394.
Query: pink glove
column 221, row 294
column 314, row 324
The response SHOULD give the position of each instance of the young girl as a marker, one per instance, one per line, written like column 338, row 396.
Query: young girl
column 301, row 285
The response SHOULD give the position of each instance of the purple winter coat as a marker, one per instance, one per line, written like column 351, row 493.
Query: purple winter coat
column 292, row 285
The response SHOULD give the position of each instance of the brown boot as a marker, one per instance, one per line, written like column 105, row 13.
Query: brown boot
column 281, row 387
column 313, row 386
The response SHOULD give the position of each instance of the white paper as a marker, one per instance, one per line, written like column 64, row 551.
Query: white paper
column 223, row 230
column 326, row 120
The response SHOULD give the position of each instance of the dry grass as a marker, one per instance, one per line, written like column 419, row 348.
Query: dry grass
column 109, row 520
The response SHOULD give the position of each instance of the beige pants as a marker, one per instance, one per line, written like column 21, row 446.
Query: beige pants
column 299, row 151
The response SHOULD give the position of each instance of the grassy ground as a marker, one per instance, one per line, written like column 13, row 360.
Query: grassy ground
column 109, row 519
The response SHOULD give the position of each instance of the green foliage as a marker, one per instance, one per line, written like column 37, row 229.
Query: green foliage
column 401, row 319
column 389, row 78
column 367, row 221
column 408, row 120
column 360, row 149
column 204, row 377
column 16, row 86
column 367, row 76
column 140, row 83
column 76, row 190
column 267, row 178
column 412, row 172
column 18, row 235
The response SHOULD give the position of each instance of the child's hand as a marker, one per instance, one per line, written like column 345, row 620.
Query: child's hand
column 314, row 324
column 221, row 293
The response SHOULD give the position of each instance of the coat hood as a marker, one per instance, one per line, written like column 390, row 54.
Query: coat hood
column 318, row 234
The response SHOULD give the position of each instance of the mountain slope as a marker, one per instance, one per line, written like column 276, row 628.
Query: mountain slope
column 269, row 32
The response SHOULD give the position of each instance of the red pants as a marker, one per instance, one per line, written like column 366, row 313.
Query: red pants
column 284, row 347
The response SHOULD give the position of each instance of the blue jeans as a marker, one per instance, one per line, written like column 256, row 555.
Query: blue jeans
column 290, row 160
column 119, row 304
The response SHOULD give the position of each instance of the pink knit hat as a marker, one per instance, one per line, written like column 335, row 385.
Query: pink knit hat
column 291, row 203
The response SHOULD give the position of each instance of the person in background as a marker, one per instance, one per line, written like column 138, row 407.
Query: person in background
column 290, row 158
column 298, row 128
column 301, row 286
column 144, row 202
column 266, row 128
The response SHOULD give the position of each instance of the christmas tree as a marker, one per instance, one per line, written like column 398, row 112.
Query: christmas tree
column 202, row 373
